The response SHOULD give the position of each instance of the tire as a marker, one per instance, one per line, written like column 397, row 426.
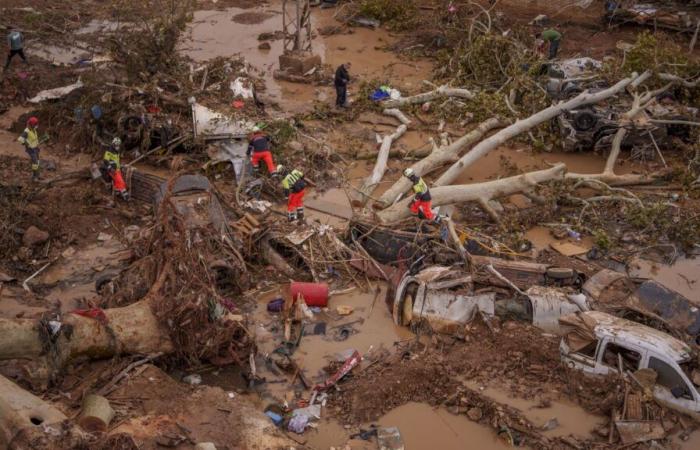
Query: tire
column 560, row 273
column 585, row 120
column 102, row 281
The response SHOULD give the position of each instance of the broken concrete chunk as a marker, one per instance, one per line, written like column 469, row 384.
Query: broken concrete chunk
column 34, row 236
column 389, row 439
column 475, row 414
column 205, row 446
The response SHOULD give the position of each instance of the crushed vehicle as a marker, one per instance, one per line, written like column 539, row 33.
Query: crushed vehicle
column 647, row 302
column 593, row 127
column 446, row 299
column 598, row 343
column 667, row 15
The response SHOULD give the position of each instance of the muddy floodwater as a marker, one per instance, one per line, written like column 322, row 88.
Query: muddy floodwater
column 683, row 276
column 422, row 427
column 234, row 31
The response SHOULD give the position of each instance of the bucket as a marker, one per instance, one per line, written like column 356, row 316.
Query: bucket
column 315, row 294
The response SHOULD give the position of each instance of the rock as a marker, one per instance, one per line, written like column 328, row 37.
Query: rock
column 34, row 236
column 551, row 424
column 67, row 253
column 104, row 237
column 264, row 46
column 475, row 414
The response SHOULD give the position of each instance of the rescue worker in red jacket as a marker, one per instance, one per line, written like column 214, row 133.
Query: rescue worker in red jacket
column 293, row 184
column 259, row 150
column 111, row 168
column 422, row 202
column 30, row 139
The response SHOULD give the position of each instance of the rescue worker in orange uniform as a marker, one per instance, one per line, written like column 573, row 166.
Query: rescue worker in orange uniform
column 30, row 139
column 111, row 168
column 293, row 184
column 259, row 150
column 422, row 202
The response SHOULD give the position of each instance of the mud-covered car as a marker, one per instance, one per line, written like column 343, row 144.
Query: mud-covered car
column 598, row 343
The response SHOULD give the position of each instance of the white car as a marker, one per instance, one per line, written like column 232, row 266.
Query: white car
column 593, row 340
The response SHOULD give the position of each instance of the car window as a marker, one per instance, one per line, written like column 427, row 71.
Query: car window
column 589, row 349
column 669, row 377
column 630, row 358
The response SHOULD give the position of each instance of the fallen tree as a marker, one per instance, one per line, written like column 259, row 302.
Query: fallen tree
column 521, row 126
column 26, row 421
column 478, row 192
column 442, row 91
column 365, row 190
column 440, row 156
column 133, row 329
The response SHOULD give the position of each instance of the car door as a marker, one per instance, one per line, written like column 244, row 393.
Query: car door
column 672, row 386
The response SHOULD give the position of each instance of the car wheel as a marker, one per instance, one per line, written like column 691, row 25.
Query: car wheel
column 585, row 120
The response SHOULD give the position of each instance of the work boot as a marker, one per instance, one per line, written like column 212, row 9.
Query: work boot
column 291, row 216
column 300, row 214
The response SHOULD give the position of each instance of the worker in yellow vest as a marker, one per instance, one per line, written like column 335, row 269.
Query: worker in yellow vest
column 30, row 139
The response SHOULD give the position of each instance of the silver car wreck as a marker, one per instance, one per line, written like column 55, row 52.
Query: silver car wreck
column 446, row 300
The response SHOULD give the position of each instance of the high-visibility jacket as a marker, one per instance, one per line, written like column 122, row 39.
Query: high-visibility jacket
column 29, row 138
column 112, row 158
column 294, row 181
column 421, row 189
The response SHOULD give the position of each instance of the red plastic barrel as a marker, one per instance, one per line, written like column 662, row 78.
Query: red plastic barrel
column 315, row 294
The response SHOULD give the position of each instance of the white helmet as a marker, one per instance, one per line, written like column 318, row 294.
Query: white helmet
column 280, row 168
column 408, row 173
column 116, row 142
column 256, row 129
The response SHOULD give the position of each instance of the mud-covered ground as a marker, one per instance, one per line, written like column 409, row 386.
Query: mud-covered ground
column 503, row 382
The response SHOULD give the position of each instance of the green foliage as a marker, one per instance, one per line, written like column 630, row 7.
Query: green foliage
column 281, row 132
column 151, row 46
column 602, row 240
column 397, row 14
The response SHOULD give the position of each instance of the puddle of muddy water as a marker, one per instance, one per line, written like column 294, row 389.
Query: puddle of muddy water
column 331, row 207
column 542, row 238
column 683, row 276
column 572, row 419
column 421, row 427
column 58, row 55
column 235, row 31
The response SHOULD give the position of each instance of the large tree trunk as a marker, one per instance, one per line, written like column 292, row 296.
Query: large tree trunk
column 133, row 329
column 437, row 158
column 24, row 415
column 442, row 91
column 370, row 183
column 480, row 192
column 521, row 126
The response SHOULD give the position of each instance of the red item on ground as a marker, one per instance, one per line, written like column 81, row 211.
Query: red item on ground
column 425, row 207
column 238, row 104
column 315, row 294
column 296, row 200
column 348, row 365
column 92, row 313
column 153, row 109
column 118, row 181
column 265, row 156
